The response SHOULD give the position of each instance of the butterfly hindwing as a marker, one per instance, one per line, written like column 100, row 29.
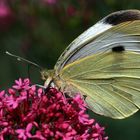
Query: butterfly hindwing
column 110, row 82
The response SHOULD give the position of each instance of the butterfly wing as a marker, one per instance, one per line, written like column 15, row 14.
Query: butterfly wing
column 111, row 82
column 103, row 36
column 106, row 67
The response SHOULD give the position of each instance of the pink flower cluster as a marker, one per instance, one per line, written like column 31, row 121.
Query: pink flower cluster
column 28, row 112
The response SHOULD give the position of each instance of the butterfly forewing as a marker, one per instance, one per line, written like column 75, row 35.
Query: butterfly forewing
column 109, row 32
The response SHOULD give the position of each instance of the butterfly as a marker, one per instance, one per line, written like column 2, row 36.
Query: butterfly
column 103, row 64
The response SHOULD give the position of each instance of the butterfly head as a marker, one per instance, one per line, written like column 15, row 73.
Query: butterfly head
column 47, row 76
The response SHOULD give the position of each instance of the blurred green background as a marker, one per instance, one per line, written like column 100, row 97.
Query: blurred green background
column 39, row 30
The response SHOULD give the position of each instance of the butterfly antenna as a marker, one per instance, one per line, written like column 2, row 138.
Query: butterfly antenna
column 24, row 60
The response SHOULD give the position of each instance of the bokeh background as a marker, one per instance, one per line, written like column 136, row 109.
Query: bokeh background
column 39, row 30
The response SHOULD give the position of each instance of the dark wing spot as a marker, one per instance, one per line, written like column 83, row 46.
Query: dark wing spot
column 118, row 49
column 122, row 16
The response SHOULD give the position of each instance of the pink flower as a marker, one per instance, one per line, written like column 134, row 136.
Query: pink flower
column 21, row 134
column 28, row 112
column 2, row 93
column 20, row 85
column 6, row 15
column 26, row 133
column 71, row 11
column 51, row 2
column 4, row 9
column 12, row 102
